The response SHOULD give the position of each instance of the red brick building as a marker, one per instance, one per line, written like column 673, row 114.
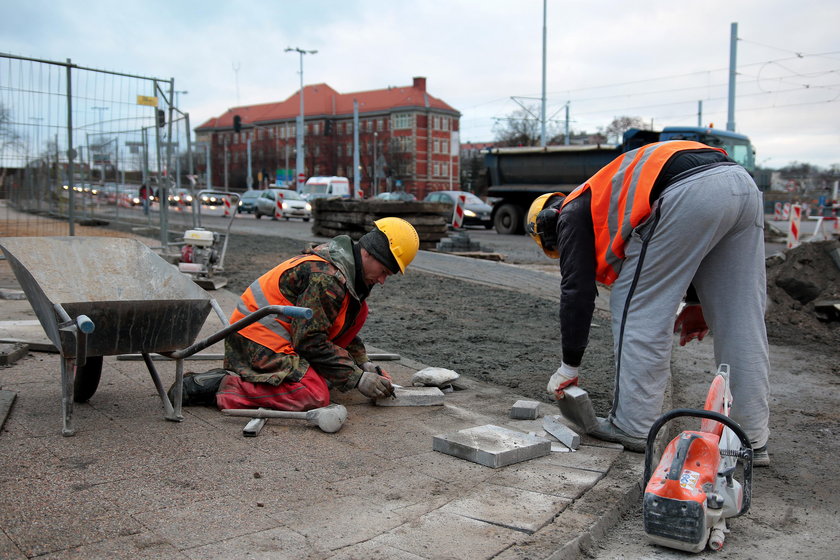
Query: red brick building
column 410, row 133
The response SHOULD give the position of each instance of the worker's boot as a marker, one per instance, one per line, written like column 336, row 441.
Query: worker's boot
column 607, row 431
column 200, row 388
column 761, row 458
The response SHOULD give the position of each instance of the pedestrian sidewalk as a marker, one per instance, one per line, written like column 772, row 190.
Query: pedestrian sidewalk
column 130, row 484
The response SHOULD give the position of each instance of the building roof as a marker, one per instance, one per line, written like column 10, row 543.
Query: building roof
column 320, row 100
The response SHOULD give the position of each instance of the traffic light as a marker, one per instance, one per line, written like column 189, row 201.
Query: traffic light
column 161, row 118
column 237, row 123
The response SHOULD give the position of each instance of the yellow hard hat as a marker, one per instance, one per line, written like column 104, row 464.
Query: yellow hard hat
column 538, row 227
column 402, row 239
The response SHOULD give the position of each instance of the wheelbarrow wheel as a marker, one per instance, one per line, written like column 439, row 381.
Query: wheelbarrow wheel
column 87, row 379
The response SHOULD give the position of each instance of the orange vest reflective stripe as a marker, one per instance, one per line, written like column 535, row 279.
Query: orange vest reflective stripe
column 274, row 331
column 621, row 199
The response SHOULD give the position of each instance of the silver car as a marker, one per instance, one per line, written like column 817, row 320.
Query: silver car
column 283, row 203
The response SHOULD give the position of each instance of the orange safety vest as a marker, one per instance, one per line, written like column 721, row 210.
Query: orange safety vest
column 621, row 199
column 274, row 331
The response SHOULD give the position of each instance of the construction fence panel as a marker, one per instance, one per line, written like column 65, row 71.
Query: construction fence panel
column 76, row 144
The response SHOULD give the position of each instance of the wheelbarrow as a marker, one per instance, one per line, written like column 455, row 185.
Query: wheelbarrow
column 101, row 296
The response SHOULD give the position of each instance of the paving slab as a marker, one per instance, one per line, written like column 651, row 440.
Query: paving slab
column 440, row 535
column 522, row 510
column 491, row 446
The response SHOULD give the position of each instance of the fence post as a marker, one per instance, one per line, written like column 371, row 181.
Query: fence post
column 70, row 152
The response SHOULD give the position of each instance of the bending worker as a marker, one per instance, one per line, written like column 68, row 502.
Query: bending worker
column 291, row 364
column 661, row 223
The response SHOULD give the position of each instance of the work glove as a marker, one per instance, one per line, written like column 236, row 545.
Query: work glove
column 691, row 324
column 371, row 367
column 374, row 386
column 565, row 376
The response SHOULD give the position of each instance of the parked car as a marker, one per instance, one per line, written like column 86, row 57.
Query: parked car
column 476, row 211
column 396, row 195
column 291, row 205
column 248, row 201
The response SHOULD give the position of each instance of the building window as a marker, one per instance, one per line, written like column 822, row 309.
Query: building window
column 436, row 169
column 436, row 146
column 316, row 128
column 401, row 120
column 379, row 125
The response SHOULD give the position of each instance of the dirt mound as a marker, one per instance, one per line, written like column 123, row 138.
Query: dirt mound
column 798, row 280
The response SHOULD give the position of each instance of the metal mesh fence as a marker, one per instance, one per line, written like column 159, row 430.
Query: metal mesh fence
column 77, row 144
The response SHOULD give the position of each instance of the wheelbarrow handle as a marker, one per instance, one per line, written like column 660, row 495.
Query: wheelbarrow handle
column 290, row 310
column 85, row 324
column 295, row 312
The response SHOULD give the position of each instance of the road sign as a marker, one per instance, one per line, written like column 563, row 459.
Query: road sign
column 147, row 100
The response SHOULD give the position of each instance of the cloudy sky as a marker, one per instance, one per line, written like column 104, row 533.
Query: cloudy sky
column 656, row 59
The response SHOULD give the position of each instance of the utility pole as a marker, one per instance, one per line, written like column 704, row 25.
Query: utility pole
column 542, row 116
column 299, row 163
column 733, row 56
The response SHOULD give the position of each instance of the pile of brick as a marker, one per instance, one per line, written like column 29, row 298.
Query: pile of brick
column 341, row 216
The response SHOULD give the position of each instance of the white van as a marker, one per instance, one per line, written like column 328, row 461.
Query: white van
column 322, row 187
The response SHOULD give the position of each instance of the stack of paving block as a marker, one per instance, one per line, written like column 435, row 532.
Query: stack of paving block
column 342, row 216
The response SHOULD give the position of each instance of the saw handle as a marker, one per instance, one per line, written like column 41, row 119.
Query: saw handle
column 745, row 453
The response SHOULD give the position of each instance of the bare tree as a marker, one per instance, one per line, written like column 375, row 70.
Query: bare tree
column 9, row 139
column 519, row 128
column 619, row 125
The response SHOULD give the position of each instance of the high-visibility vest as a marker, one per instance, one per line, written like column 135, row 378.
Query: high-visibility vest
column 274, row 331
column 621, row 199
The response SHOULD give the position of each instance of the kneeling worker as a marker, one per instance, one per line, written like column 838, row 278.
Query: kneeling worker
column 291, row 364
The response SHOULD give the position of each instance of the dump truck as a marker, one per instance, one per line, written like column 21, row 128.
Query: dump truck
column 516, row 176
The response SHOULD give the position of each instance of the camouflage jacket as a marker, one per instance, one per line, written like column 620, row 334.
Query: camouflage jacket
column 322, row 287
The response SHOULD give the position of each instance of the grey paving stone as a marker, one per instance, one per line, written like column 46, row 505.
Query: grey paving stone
column 576, row 407
column 442, row 535
column 213, row 521
column 565, row 482
column 523, row 510
column 336, row 523
column 554, row 426
column 413, row 396
column 491, row 446
column 525, row 410
column 272, row 544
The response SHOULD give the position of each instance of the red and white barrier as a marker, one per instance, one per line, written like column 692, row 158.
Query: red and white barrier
column 793, row 232
column 786, row 211
column 278, row 208
column 226, row 202
column 458, row 211
column 777, row 212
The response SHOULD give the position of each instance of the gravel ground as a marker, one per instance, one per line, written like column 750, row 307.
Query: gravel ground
column 495, row 335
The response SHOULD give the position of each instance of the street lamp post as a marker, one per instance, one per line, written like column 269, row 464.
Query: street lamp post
column 176, row 96
column 299, row 168
column 375, row 184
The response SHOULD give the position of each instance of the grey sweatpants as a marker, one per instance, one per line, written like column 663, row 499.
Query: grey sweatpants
column 706, row 230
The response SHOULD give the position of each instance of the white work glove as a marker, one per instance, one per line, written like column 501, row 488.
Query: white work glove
column 565, row 376
column 374, row 386
column 370, row 366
